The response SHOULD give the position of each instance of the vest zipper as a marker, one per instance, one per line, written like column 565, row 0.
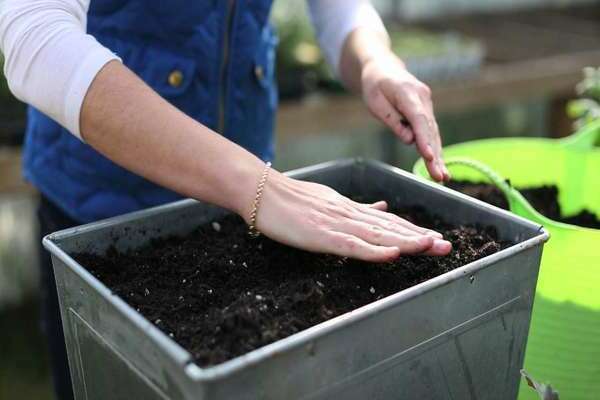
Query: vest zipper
column 224, row 65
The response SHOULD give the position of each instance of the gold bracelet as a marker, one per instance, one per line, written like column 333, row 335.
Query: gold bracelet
column 252, row 231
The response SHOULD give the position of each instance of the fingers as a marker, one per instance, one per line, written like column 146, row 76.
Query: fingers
column 379, row 205
column 374, row 227
column 413, row 100
column 395, row 226
column 439, row 248
column 391, row 94
column 394, row 221
column 437, row 138
column 346, row 245
column 425, row 130
column 375, row 215
column 386, row 112
column 376, row 235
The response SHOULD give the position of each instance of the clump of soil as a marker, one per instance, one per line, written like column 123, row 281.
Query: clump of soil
column 544, row 199
column 220, row 293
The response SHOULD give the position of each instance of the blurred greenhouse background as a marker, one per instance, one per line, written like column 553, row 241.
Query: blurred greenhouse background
column 496, row 68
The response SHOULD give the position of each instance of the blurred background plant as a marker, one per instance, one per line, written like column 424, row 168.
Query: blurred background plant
column 586, row 108
column 301, row 67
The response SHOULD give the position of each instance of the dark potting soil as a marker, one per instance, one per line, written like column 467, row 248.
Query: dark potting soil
column 544, row 199
column 220, row 293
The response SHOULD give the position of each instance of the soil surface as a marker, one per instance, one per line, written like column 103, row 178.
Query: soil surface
column 220, row 293
column 544, row 199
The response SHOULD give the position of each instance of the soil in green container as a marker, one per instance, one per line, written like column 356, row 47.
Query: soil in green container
column 544, row 199
column 220, row 293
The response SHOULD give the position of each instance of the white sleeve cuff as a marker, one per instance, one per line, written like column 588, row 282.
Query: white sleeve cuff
column 80, row 83
column 334, row 20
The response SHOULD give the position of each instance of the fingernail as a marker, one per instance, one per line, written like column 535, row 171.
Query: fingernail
column 442, row 245
column 448, row 176
column 440, row 168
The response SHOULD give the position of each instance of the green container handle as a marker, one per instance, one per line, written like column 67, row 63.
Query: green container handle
column 585, row 138
column 516, row 202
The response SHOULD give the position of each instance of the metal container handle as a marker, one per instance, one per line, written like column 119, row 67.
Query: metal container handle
column 585, row 139
column 516, row 202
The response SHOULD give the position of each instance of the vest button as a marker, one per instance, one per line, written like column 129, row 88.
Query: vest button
column 175, row 78
column 259, row 72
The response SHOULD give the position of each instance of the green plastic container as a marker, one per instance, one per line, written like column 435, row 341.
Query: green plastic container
column 564, row 342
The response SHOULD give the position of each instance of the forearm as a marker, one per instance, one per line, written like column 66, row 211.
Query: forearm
column 361, row 46
column 128, row 122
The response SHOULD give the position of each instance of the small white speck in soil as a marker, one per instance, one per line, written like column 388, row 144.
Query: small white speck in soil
column 216, row 226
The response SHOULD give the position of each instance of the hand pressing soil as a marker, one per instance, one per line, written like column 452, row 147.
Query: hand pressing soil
column 220, row 293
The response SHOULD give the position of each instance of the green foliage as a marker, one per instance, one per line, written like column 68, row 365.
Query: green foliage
column 587, row 108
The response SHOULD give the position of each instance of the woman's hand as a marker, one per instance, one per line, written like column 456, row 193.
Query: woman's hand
column 404, row 104
column 316, row 218
column 392, row 94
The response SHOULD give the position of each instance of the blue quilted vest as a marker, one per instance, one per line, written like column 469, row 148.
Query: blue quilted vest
column 214, row 60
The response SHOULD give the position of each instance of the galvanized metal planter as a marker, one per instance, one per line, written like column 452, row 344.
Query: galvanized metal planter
column 461, row 335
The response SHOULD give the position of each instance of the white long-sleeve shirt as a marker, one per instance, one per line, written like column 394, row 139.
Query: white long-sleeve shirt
column 50, row 61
